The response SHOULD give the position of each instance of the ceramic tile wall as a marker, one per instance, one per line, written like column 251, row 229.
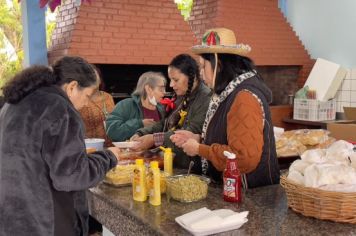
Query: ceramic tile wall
column 346, row 95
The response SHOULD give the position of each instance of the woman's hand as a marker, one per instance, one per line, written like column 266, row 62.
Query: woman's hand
column 145, row 142
column 181, row 136
column 116, row 151
column 134, row 137
column 191, row 147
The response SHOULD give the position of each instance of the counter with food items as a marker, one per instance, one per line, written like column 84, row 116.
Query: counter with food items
column 268, row 214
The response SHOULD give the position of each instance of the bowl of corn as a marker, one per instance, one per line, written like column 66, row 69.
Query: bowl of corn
column 187, row 188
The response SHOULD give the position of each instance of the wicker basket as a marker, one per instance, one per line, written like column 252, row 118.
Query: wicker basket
column 321, row 204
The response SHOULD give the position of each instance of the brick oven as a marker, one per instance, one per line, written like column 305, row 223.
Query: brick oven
column 128, row 37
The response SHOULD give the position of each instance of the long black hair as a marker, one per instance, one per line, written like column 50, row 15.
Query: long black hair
column 65, row 70
column 229, row 67
column 189, row 67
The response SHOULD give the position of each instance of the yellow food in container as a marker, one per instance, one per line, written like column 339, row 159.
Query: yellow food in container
column 187, row 188
column 120, row 175
column 90, row 150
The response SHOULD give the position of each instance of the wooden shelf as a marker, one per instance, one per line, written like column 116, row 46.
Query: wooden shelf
column 308, row 124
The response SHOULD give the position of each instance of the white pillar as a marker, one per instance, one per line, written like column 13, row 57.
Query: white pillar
column 34, row 33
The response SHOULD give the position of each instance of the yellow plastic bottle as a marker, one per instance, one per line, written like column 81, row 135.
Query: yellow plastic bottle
column 167, row 160
column 155, row 182
column 139, row 190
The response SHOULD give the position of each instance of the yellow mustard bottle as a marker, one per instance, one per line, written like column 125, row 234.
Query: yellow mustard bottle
column 139, row 190
column 167, row 160
column 155, row 182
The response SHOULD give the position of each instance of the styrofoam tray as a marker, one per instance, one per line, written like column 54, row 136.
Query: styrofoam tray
column 217, row 228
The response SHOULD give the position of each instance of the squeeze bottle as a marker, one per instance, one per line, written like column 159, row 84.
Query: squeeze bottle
column 232, row 179
column 167, row 160
column 139, row 190
column 154, row 185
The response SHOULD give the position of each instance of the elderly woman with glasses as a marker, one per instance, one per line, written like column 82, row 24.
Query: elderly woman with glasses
column 141, row 110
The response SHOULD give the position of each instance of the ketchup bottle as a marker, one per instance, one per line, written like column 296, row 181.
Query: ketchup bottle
column 232, row 179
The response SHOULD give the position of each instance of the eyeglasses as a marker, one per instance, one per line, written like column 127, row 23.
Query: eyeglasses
column 161, row 88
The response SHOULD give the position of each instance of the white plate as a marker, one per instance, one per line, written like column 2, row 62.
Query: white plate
column 126, row 144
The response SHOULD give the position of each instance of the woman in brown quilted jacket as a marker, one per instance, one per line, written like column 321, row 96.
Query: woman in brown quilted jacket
column 238, row 119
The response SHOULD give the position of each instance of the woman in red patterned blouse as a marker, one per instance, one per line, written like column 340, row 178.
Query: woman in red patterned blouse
column 95, row 112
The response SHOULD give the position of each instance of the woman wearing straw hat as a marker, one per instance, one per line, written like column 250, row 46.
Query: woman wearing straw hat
column 238, row 119
column 186, row 111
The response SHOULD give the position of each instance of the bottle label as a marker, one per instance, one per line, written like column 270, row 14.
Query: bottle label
column 149, row 181
column 136, row 178
column 136, row 183
column 229, row 187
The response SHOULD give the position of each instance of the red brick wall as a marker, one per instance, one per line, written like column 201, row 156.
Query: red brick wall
column 203, row 16
column 125, row 32
column 152, row 32
column 62, row 34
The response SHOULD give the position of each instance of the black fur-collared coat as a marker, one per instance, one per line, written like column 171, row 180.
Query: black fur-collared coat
column 44, row 168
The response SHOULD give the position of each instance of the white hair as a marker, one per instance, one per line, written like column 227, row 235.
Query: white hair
column 148, row 78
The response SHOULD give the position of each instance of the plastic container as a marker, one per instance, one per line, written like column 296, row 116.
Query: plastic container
column 232, row 179
column 187, row 188
column 97, row 143
column 139, row 190
column 154, row 179
column 121, row 175
column 314, row 110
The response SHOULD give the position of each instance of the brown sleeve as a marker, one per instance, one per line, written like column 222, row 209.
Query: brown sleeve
column 244, row 135
column 109, row 100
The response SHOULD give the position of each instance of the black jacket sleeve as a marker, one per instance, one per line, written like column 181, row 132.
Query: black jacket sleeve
column 63, row 149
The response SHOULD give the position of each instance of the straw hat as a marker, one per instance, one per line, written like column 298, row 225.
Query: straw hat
column 220, row 40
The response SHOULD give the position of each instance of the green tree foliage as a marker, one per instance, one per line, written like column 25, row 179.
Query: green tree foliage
column 185, row 7
column 10, row 30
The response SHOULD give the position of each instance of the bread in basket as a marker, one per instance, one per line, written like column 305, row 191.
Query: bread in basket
column 321, row 204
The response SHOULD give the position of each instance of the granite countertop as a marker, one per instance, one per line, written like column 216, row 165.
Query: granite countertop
column 267, row 206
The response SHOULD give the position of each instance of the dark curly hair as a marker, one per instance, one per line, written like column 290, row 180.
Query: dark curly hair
column 229, row 66
column 188, row 66
column 63, row 71
column 1, row 102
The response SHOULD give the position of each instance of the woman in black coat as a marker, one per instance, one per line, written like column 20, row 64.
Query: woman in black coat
column 44, row 168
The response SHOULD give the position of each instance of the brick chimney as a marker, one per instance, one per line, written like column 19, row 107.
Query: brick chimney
column 121, row 32
column 146, row 32
column 259, row 23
